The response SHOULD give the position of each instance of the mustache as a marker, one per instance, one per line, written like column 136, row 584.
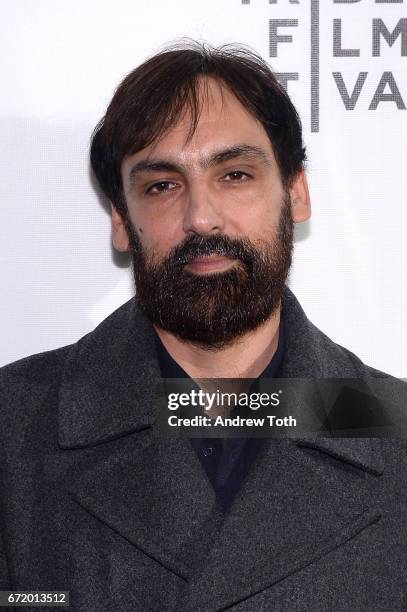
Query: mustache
column 217, row 244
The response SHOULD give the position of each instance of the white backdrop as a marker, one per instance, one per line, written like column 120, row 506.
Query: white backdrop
column 60, row 62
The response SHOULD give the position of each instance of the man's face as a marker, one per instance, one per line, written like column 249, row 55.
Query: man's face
column 209, row 224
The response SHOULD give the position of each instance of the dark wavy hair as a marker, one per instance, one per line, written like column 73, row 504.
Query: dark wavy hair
column 154, row 96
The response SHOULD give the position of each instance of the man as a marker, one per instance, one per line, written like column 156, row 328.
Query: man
column 201, row 156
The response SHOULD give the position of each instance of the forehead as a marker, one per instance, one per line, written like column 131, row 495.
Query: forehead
column 222, row 121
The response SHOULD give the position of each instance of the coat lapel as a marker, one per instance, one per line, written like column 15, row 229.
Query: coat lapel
column 151, row 491
column 293, row 509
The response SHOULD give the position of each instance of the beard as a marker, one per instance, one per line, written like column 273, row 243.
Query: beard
column 213, row 310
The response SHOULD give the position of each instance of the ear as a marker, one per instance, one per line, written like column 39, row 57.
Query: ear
column 120, row 237
column 300, row 200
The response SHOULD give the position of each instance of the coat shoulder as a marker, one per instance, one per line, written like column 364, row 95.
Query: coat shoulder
column 310, row 353
column 342, row 358
column 39, row 368
column 46, row 367
column 28, row 392
column 29, row 387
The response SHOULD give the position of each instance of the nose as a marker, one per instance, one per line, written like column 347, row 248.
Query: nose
column 202, row 215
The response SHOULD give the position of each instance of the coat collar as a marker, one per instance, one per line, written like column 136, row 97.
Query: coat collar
column 109, row 382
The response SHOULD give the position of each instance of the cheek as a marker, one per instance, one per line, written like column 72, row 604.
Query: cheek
column 155, row 240
column 145, row 227
column 150, row 221
column 258, row 216
column 159, row 229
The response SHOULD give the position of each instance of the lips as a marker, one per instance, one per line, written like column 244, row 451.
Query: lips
column 209, row 258
column 209, row 263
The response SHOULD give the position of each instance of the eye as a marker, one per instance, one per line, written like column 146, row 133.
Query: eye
column 236, row 176
column 161, row 187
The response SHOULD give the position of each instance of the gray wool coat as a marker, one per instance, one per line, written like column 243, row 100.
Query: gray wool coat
column 93, row 501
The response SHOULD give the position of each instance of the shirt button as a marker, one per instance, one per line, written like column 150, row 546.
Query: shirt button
column 209, row 450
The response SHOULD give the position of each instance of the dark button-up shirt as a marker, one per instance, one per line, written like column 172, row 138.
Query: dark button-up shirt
column 226, row 461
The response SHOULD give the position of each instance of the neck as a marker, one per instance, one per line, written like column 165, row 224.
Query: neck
column 246, row 357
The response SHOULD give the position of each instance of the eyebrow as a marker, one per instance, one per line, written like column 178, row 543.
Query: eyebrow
column 247, row 151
